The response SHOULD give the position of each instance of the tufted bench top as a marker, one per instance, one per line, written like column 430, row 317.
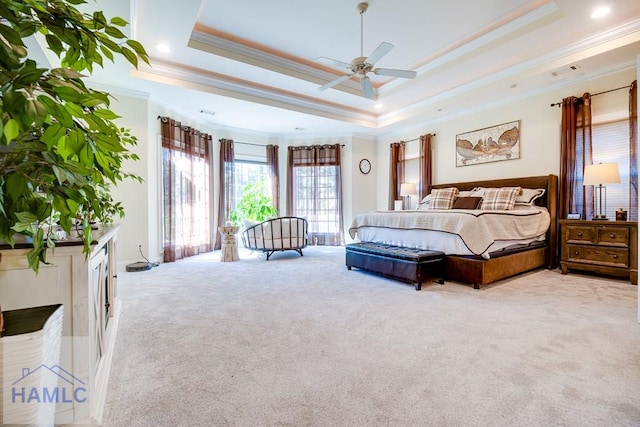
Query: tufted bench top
column 398, row 252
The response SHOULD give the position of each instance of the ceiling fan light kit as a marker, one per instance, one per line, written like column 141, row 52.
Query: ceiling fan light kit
column 362, row 65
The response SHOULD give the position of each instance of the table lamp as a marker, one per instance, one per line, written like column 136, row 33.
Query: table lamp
column 602, row 173
column 407, row 190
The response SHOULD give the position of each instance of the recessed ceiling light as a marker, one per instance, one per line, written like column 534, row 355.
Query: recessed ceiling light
column 163, row 47
column 378, row 106
column 600, row 11
column 208, row 112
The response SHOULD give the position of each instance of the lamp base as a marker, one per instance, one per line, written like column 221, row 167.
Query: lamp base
column 600, row 217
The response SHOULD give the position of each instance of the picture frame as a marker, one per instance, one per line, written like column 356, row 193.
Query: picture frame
column 490, row 144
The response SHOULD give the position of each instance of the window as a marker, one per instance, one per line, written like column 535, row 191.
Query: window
column 610, row 144
column 185, row 192
column 316, row 196
column 186, row 195
column 250, row 172
column 314, row 191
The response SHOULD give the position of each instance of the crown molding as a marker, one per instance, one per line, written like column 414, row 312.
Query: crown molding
column 219, row 43
column 220, row 84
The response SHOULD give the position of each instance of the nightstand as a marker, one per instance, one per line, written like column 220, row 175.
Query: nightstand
column 605, row 247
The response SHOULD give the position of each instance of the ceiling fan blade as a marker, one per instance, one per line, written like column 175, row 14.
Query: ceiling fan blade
column 335, row 82
column 367, row 89
column 405, row 74
column 334, row 62
column 382, row 49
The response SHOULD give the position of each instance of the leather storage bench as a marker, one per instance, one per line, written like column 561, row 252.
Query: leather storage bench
column 406, row 264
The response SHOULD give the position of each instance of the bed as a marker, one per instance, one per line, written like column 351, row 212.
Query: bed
column 481, row 246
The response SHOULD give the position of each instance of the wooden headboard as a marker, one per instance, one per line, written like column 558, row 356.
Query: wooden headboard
column 549, row 200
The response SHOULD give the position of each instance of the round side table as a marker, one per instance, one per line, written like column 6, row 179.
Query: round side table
column 229, row 247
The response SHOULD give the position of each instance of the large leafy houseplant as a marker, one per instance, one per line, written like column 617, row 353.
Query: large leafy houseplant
column 60, row 150
column 254, row 204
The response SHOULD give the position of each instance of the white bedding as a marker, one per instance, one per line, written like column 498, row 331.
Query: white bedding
column 454, row 232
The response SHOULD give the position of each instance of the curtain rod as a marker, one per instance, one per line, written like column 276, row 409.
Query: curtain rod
column 559, row 104
column 250, row 143
column 259, row 145
column 417, row 139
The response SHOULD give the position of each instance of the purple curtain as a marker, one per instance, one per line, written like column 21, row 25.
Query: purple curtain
column 396, row 172
column 225, row 196
column 633, row 149
column 274, row 172
column 426, row 166
column 186, row 164
column 575, row 154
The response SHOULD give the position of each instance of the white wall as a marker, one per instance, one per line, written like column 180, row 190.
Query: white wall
column 539, row 135
column 132, row 194
column 363, row 187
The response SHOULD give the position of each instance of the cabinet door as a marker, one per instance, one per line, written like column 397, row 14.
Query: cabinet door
column 97, row 297
column 112, row 274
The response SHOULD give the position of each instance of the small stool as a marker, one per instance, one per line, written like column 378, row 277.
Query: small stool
column 229, row 247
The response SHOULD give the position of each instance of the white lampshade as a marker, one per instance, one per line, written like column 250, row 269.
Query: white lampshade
column 602, row 173
column 408, row 189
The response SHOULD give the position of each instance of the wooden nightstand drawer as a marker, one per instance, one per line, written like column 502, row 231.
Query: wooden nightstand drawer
column 581, row 234
column 618, row 236
column 605, row 256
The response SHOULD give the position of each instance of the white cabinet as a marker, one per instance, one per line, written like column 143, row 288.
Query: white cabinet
column 87, row 287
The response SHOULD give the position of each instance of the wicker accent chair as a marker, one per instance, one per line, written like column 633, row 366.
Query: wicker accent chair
column 276, row 234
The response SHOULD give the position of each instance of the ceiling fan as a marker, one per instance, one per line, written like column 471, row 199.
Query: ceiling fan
column 362, row 65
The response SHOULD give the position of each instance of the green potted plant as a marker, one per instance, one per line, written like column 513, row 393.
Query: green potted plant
column 254, row 205
column 60, row 150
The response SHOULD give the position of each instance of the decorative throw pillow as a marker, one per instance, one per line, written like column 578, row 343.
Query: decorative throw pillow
column 500, row 199
column 442, row 198
column 529, row 195
column 478, row 192
column 424, row 203
column 465, row 193
column 466, row 203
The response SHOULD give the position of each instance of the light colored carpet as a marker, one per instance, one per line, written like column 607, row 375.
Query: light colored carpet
column 302, row 341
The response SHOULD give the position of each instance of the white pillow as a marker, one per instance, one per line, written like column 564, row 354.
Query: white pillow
column 424, row 203
column 478, row 192
column 529, row 195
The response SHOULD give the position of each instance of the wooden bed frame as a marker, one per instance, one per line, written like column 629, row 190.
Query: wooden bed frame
column 479, row 271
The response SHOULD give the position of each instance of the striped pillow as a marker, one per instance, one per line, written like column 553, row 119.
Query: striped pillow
column 442, row 198
column 500, row 199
